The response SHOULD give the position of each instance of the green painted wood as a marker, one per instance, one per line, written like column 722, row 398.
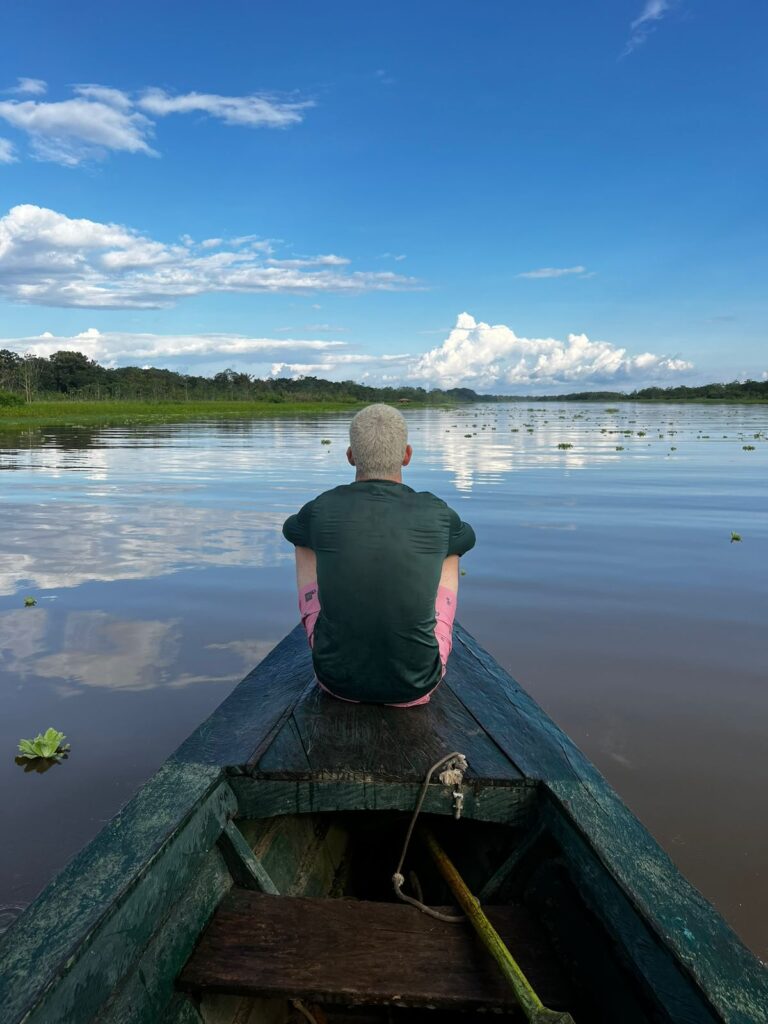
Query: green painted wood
column 344, row 740
column 107, row 953
column 181, row 1010
column 147, row 992
column 497, row 885
column 255, row 710
column 265, row 798
column 715, row 961
column 663, row 978
column 57, row 928
column 285, row 755
column 301, row 853
column 246, row 869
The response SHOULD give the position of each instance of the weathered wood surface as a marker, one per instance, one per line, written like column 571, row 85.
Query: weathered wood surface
column 65, row 953
column 333, row 739
column 348, row 951
column 260, row 798
column 660, row 916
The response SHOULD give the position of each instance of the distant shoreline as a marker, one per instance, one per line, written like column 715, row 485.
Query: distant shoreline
column 75, row 412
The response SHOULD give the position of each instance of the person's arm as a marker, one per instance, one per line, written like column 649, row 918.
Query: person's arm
column 461, row 537
column 297, row 530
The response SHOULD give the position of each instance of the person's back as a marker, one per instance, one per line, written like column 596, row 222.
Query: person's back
column 377, row 566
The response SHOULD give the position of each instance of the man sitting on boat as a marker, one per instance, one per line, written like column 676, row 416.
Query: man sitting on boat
column 377, row 566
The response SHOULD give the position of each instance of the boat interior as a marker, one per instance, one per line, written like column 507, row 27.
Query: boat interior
column 335, row 943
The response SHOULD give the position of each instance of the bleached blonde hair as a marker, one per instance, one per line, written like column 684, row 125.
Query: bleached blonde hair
column 378, row 436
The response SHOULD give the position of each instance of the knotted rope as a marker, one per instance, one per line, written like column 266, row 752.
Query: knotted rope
column 453, row 775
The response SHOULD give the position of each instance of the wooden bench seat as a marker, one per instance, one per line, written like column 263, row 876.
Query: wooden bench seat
column 355, row 952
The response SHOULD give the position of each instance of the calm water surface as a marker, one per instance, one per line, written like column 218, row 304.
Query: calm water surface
column 603, row 579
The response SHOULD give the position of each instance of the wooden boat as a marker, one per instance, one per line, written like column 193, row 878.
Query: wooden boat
column 250, row 879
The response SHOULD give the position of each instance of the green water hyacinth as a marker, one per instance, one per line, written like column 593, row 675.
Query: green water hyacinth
column 46, row 745
column 29, row 602
column 735, row 537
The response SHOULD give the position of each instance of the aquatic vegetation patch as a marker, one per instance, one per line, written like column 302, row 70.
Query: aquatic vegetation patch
column 47, row 745
column 30, row 602
column 735, row 537
column 564, row 445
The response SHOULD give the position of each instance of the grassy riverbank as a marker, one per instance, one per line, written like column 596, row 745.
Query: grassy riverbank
column 84, row 413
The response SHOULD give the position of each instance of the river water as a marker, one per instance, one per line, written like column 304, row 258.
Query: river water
column 604, row 579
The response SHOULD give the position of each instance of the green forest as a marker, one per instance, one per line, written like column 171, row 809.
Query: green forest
column 63, row 376
column 72, row 375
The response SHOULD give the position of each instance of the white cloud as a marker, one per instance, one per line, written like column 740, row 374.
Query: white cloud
column 652, row 12
column 49, row 259
column 474, row 354
column 29, row 87
column 7, row 155
column 72, row 131
column 556, row 272
column 100, row 120
column 112, row 348
column 253, row 111
column 487, row 358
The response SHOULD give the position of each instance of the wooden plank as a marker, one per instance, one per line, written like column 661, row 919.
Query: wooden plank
column 300, row 853
column 256, row 708
column 677, row 917
column 349, row 951
column 181, row 1011
column 102, row 960
column 58, row 929
column 343, row 740
column 146, row 993
column 246, row 869
column 264, row 798
column 497, row 885
column 285, row 753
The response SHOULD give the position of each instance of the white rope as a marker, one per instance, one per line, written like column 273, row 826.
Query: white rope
column 307, row 1014
column 452, row 776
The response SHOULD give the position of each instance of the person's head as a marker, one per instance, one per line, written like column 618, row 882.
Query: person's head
column 378, row 443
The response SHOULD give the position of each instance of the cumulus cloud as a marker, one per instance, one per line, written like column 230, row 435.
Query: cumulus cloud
column 99, row 120
column 652, row 12
column 489, row 358
column 49, row 259
column 7, row 155
column 474, row 354
column 556, row 272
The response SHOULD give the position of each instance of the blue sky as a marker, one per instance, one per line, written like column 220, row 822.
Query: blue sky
column 518, row 197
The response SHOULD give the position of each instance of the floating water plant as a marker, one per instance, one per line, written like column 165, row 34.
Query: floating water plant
column 735, row 537
column 46, row 745
column 325, row 440
column 748, row 447
column 619, row 447
column 30, row 602
column 565, row 444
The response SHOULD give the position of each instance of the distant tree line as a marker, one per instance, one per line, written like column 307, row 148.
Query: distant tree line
column 72, row 375
column 756, row 390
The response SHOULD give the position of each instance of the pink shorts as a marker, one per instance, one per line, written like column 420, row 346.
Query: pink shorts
column 445, row 612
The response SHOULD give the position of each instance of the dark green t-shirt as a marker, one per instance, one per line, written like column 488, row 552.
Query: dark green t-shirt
column 380, row 548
